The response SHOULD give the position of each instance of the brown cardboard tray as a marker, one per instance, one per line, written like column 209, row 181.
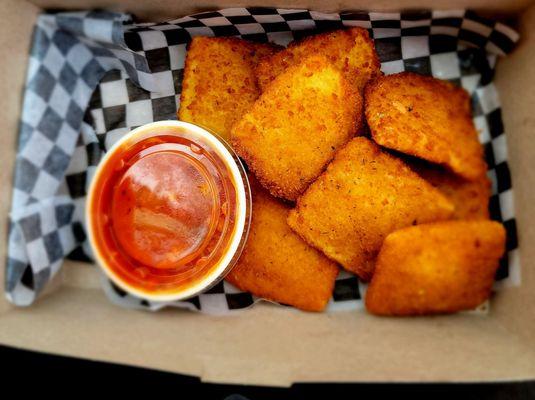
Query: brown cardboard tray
column 272, row 345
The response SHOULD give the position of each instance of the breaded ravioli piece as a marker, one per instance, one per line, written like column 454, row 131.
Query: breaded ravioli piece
column 219, row 84
column 364, row 195
column 427, row 118
column 470, row 198
column 436, row 268
column 351, row 50
column 296, row 126
column 277, row 264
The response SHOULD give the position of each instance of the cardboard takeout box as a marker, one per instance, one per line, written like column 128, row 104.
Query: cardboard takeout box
column 272, row 345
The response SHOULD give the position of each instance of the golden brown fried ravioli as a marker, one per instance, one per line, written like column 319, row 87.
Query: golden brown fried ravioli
column 427, row 118
column 277, row 264
column 296, row 126
column 436, row 268
column 364, row 194
column 219, row 84
column 351, row 50
column 471, row 198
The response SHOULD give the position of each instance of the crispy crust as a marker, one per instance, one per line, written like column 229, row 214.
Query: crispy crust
column 471, row 198
column 427, row 118
column 364, row 194
column 277, row 265
column 296, row 126
column 351, row 50
column 219, row 84
column 436, row 268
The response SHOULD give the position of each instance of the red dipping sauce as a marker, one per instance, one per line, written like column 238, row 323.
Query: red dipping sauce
column 168, row 211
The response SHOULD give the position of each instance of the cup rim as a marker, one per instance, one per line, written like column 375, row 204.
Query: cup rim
column 241, row 230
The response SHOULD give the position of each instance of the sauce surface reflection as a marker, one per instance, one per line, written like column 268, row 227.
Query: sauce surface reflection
column 164, row 211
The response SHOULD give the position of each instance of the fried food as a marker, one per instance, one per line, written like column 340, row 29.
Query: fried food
column 427, row 118
column 436, row 268
column 296, row 126
column 277, row 265
column 471, row 198
column 351, row 50
column 364, row 194
column 219, row 83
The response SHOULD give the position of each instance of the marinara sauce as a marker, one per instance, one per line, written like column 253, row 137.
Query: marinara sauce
column 166, row 211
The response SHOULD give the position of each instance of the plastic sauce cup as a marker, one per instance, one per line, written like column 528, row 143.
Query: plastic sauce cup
column 168, row 211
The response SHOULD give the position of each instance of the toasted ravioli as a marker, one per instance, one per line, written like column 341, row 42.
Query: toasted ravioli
column 351, row 50
column 296, row 126
column 364, row 194
column 435, row 268
column 470, row 198
column 277, row 264
column 427, row 118
column 219, row 84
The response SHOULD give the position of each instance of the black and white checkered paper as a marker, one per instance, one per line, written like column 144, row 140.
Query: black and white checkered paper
column 94, row 76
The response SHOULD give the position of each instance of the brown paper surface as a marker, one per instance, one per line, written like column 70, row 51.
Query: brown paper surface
column 515, row 81
column 272, row 345
column 163, row 9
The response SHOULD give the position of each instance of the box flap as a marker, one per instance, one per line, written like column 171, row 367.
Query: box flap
column 167, row 9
